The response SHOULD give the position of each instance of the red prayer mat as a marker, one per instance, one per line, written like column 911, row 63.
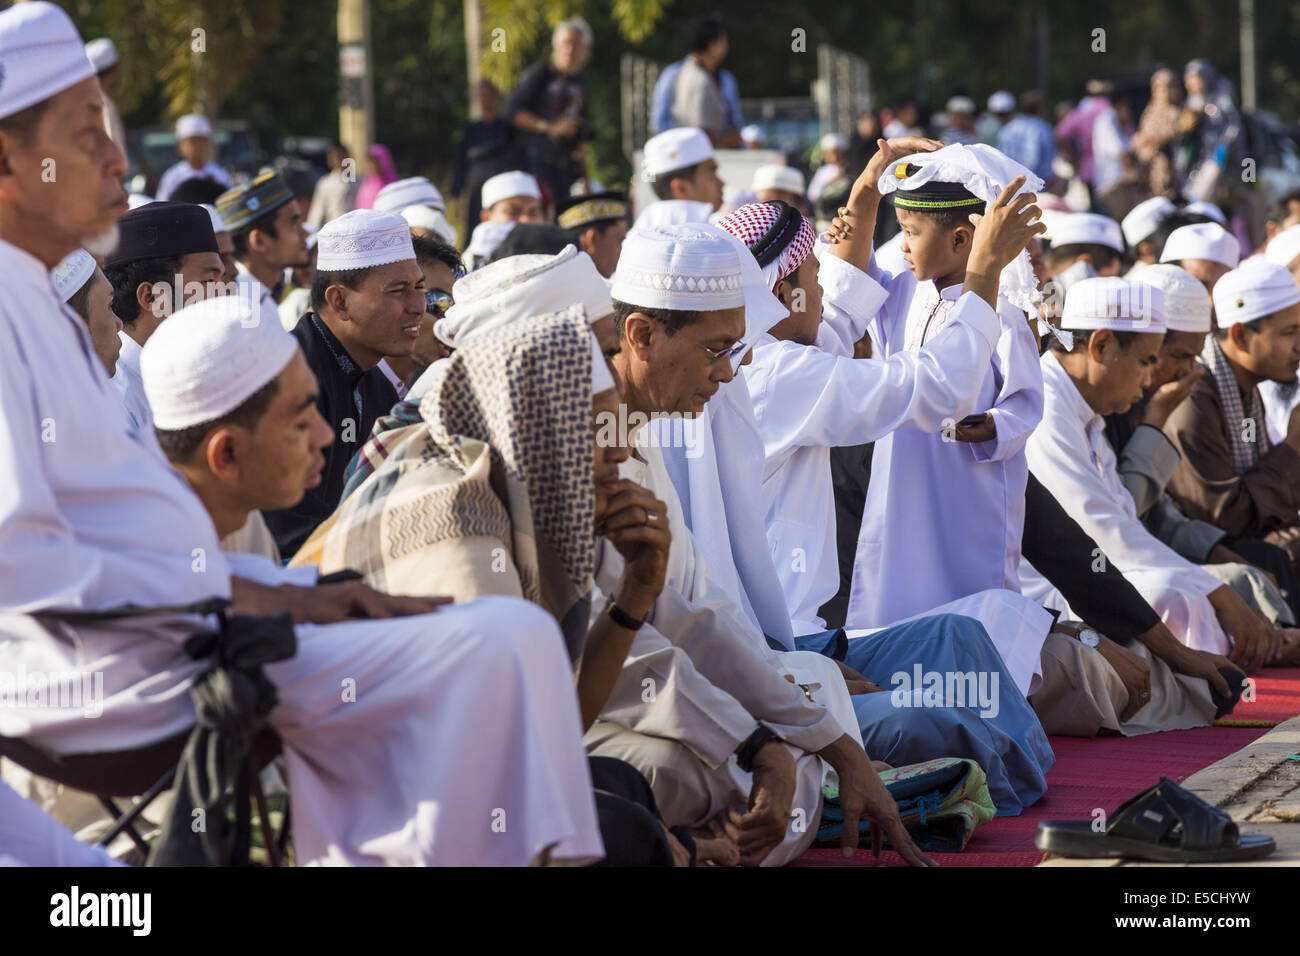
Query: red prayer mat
column 1104, row 772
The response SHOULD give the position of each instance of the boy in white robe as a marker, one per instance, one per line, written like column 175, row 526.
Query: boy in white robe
column 945, row 508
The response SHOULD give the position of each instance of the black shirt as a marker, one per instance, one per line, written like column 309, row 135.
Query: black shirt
column 350, row 400
column 550, row 95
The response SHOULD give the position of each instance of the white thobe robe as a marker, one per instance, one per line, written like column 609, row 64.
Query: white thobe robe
column 809, row 399
column 943, row 519
column 128, row 382
column 259, row 297
column 181, row 171
column 457, row 715
column 1069, row 454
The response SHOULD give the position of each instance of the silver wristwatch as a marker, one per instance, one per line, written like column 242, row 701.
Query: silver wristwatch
column 1089, row 638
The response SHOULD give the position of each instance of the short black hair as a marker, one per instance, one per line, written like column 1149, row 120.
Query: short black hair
column 321, row 280
column 240, row 238
column 433, row 249
column 673, row 320
column 705, row 31
column 1031, row 103
column 661, row 184
column 125, row 278
column 79, row 301
column 181, row 444
column 1103, row 257
column 1221, row 331
column 1083, row 336
column 199, row 190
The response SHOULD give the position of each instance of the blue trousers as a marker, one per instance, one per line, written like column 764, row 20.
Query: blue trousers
column 947, row 695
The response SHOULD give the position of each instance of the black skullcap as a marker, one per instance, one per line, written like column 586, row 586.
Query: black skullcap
column 934, row 196
column 537, row 238
column 162, row 230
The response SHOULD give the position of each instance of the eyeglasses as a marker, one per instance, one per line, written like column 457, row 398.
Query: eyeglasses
column 715, row 355
column 437, row 302
column 719, row 355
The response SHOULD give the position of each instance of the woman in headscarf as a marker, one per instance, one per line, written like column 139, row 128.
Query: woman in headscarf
column 1210, row 125
column 493, row 490
column 380, row 171
column 1156, row 131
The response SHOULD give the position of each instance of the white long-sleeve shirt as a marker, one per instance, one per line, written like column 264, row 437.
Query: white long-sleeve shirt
column 809, row 399
column 1069, row 454
column 943, row 518
column 128, row 382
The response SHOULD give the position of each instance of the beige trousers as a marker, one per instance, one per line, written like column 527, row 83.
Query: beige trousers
column 1082, row 694
column 690, row 793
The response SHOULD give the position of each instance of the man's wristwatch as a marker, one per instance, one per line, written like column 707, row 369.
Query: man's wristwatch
column 1088, row 637
column 747, row 751
column 622, row 618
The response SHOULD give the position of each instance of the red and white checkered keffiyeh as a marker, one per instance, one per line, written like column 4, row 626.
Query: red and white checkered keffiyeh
column 753, row 221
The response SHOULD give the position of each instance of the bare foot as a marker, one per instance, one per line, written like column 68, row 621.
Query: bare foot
column 713, row 847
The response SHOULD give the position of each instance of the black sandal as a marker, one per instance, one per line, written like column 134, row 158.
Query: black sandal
column 1163, row 824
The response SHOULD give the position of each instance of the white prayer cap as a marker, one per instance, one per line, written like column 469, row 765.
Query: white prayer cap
column 485, row 238
column 218, row 224
column 675, row 149
column 72, row 273
column 363, row 238
column 1284, row 247
column 1254, row 290
column 1088, row 228
column 193, row 124
column 682, row 266
column 833, row 141
column 505, row 185
column 773, row 176
column 208, row 358
column 136, row 200
column 960, row 104
column 1207, row 209
column 695, row 267
column 1202, row 240
column 102, row 54
column 41, row 55
column 752, row 133
column 1187, row 304
column 422, row 217
column 1002, row 102
column 1145, row 218
column 415, row 191
column 1109, row 302
column 518, row 287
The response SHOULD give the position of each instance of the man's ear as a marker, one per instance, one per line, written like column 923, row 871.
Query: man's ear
column 681, row 188
column 638, row 330
column 785, row 292
column 1100, row 344
column 587, row 240
column 1237, row 335
column 221, row 454
column 336, row 297
column 147, row 295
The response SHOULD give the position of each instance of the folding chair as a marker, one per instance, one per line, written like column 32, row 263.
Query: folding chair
column 143, row 773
